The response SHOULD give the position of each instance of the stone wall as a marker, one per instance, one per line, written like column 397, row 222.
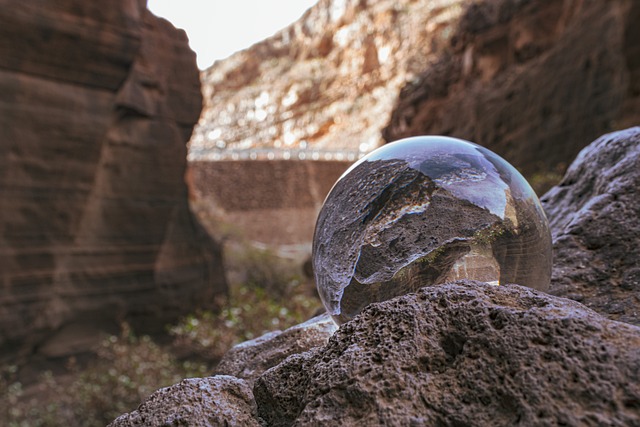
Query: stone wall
column 274, row 202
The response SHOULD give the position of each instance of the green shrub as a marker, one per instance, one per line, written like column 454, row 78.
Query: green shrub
column 251, row 312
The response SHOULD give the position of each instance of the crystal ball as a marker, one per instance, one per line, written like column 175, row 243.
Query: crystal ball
column 424, row 211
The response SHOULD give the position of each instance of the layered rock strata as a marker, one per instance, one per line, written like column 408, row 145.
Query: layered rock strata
column 96, row 106
column 535, row 80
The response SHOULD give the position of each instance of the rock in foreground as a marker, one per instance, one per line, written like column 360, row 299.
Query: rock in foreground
column 594, row 215
column 466, row 353
column 196, row 402
column 248, row 360
column 473, row 354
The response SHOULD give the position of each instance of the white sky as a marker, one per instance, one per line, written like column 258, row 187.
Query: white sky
column 218, row 28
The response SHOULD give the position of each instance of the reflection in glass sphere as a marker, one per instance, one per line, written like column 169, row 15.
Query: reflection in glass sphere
column 423, row 211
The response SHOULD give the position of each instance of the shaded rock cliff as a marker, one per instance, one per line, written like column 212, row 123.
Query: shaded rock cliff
column 96, row 106
column 533, row 80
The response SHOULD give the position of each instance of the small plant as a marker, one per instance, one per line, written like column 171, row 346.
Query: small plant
column 251, row 312
column 488, row 235
column 544, row 179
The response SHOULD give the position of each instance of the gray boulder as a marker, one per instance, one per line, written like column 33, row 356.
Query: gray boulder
column 196, row 402
column 250, row 359
column 595, row 222
column 466, row 353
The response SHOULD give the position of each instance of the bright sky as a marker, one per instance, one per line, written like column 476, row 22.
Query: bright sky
column 218, row 28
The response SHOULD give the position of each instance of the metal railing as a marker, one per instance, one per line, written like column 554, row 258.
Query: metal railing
column 208, row 154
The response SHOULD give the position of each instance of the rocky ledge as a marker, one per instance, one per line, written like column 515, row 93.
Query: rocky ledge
column 464, row 353
column 595, row 220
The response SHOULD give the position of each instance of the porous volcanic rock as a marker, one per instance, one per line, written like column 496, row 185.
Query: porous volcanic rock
column 196, row 402
column 466, row 353
column 532, row 80
column 469, row 353
column 96, row 106
column 250, row 359
column 594, row 214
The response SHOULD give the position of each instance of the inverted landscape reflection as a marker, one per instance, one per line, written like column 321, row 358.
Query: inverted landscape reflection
column 424, row 211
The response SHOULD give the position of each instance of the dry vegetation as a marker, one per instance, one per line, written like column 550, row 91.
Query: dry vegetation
column 266, row 293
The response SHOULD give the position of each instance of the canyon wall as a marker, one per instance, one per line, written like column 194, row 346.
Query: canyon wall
column 328, row 81
column 96, row 106
column 534, row 80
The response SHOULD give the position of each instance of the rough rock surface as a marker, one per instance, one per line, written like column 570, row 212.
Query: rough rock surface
column 197, row 402
column 533, row 80
column 466, row 353
column 473, row 354
column 594, row 215
column 250, row 359
column 96, row 106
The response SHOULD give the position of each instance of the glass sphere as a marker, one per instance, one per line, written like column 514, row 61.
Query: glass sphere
column 424, row 211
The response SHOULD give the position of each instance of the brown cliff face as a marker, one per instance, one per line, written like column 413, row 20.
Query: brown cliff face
column 329, row 81
column 96, row 107
column 534, row 80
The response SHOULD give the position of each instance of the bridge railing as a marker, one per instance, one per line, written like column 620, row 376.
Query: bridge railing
column 207, row 154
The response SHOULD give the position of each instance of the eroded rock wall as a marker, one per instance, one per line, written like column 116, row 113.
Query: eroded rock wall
column 329, row 81
column 96, row 106
column 533, row 80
